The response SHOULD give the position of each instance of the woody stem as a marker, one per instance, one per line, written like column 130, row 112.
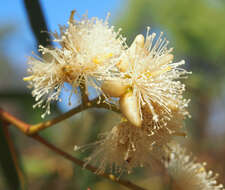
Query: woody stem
column 33, row 129
column 5, row 116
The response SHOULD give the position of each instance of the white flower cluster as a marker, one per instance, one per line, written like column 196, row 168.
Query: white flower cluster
column 142, row 76
column 126, row 146
column 89, row 49
column 187, row 173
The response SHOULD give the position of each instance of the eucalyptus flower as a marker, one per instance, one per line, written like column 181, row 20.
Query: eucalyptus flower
column 89, row 48
column 127, row 147
column 149, row 75
column 187, row 173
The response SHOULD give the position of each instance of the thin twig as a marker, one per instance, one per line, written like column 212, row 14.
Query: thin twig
column 32, row 129
column 5, row 116
column 40, row 126
column 111, row 107
column 83, row 92
column 90, row 104
column 80, row 163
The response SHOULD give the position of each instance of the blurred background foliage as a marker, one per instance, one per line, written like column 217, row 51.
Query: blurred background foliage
column 196, row 30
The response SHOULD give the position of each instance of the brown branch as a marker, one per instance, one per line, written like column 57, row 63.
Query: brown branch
column 111, row 107
column 83, row 92
column 40, row 126
column 32, row 129
column 80, row 163
column 5, row 116
column 86, row 105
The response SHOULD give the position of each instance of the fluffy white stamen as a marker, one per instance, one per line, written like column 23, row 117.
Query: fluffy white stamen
column 89, row 49
column 147, row 66
column 187, row 173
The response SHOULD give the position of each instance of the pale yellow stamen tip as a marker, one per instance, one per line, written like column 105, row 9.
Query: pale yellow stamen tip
column 149, row 74
column 200, row 170
column 96, row 60
column 181, row 134
column 100, row 59
column 112, row 177
column 109, row 55
column 28, row 78
column 123, row 119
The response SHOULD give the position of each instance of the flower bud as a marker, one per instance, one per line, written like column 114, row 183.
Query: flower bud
column 123, row 64
column 166, row 59
column 130, row 108
column 138, row 43
column 114, row 88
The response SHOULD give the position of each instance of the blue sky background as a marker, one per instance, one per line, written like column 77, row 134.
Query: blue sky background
column 21, row 42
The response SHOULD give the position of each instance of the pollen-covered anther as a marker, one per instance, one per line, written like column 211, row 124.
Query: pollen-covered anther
column 130, row 108
column 67, row 72
column 29, row 78
column 100, row 59
column 114, row 88
column 173, row 105
column 149, row 74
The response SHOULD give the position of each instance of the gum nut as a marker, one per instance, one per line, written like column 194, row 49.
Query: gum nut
column 114, row 88
column 129, row 107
